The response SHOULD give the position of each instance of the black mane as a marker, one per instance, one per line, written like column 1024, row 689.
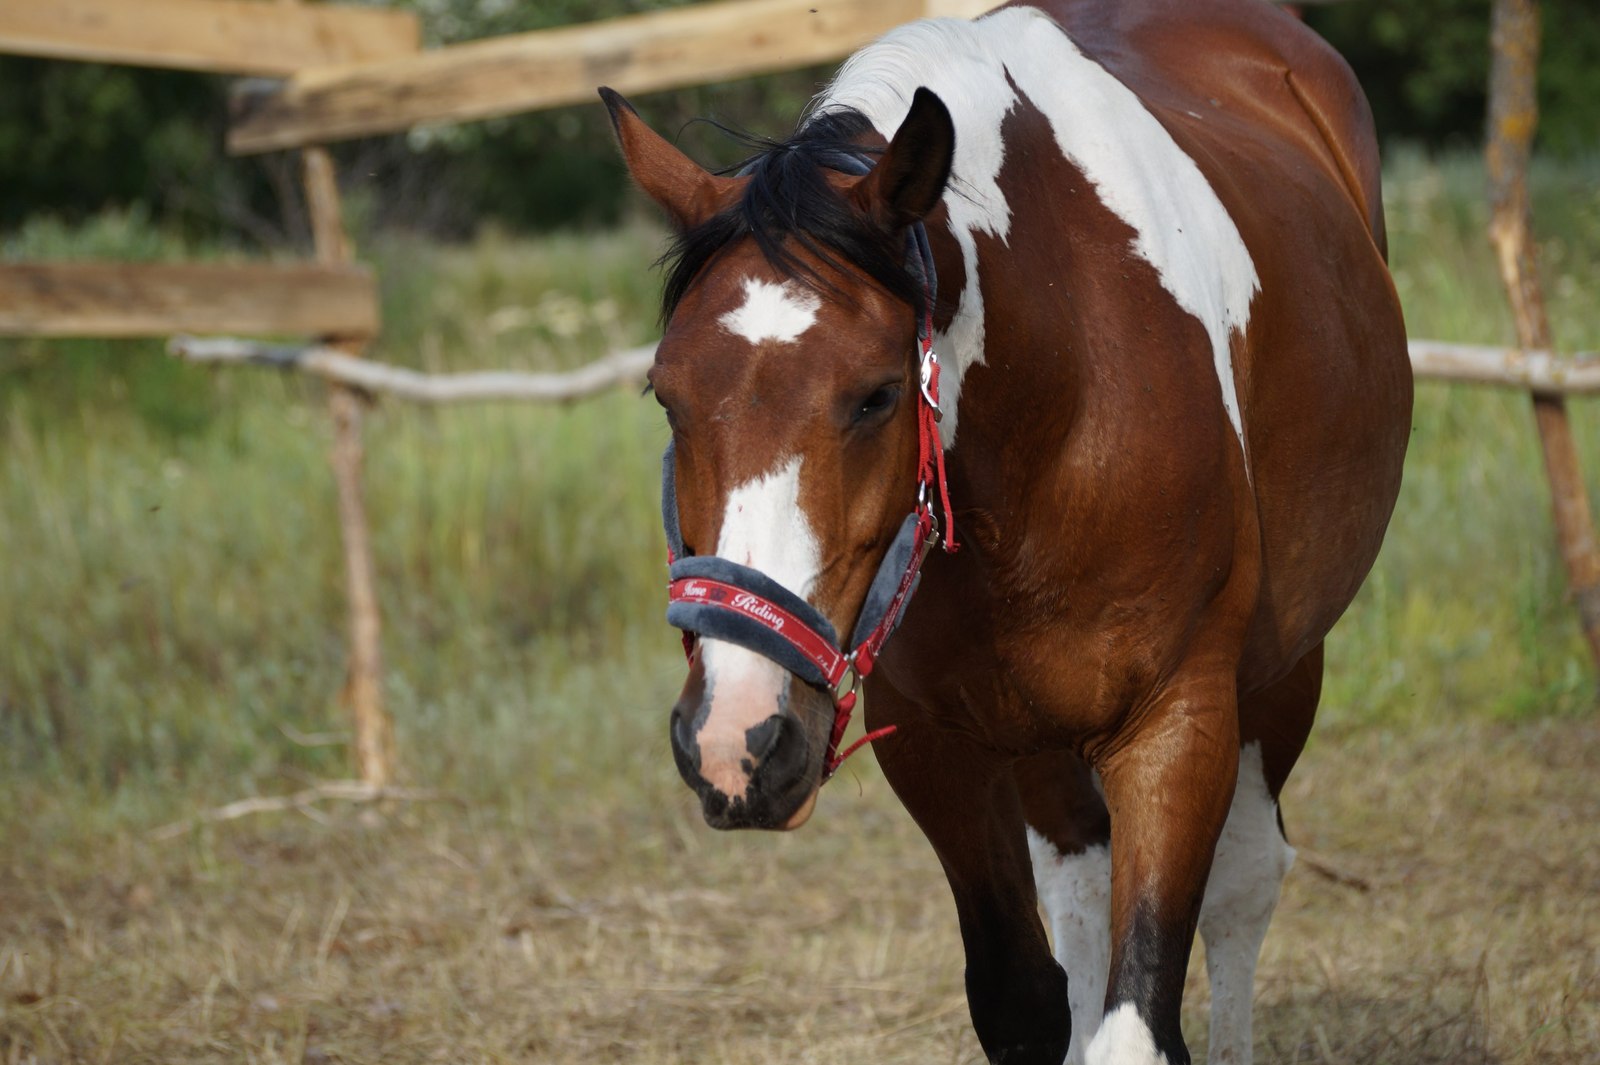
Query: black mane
column 788, row 204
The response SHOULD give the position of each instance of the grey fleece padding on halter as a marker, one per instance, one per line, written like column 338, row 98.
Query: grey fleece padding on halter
column 721, row 623
column 887, row 582
column 669, row 503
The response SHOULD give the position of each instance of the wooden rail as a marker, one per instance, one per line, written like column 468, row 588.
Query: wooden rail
column 75, row 299
column 528, row 71
column 1430, row 360
column 693, row 45
column 492, row 386
column 219, row 36
column 1532, row 371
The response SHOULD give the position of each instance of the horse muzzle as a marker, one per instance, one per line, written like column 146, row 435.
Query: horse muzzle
column 740, row 743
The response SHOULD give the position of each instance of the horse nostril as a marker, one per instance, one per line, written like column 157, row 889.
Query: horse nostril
column 762, row 738
column 684, row 747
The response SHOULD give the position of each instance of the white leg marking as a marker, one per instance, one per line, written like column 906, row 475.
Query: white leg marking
column 1182, row 229
column 1124, row 1039
column 1076, row 893
column 770, row 311
column 1246, row 874
column 763, row 527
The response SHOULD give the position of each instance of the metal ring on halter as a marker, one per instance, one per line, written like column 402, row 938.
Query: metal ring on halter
column 933, row 537
column 929, row 361
column 841, row 690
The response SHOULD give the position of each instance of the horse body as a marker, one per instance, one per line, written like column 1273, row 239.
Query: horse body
column 1100, row 379
column 1176, row 405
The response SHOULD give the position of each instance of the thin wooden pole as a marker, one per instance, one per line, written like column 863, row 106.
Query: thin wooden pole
column 373, row 747
column 1437, row 360
column 602, row 375
column 1513, row 117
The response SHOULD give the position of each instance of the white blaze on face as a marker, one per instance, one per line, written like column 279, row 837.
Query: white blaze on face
column 764, row 528
column 978, row 68
column 770, row 311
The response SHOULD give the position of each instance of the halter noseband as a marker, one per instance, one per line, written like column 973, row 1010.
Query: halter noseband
column 717, row 598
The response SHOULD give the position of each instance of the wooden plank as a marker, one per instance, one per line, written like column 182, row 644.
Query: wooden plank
column 528, row 71
column 158, row 300
column 220, row 36
column 958, row 8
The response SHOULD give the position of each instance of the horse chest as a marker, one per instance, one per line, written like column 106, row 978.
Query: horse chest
column 1035, row 653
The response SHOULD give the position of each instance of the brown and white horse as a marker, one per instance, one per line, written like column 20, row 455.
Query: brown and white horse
column 1175, row 401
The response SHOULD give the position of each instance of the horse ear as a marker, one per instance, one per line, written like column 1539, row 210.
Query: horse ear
column 911, row 174
column 685, row 190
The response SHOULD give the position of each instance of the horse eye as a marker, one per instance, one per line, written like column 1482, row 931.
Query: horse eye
column 650, row 390
column 877, row 402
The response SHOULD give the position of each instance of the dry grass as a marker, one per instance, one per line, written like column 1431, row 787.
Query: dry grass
column 569, row 933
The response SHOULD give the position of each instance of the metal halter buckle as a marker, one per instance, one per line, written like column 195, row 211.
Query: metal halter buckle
column 930, row 359
column 933, row 538
column 849, row 682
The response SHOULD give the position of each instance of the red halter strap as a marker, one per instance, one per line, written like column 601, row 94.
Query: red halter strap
column 930, row 448
column 791, row 626
column 930, row 473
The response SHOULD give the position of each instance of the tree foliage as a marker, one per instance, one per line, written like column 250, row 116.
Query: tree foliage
column 75, row 139
column 1425, row 67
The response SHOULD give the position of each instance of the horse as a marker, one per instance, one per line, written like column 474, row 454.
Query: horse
column 1075, row 321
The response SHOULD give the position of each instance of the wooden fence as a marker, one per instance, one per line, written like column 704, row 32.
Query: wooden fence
column 357, row 71
column 220, row 36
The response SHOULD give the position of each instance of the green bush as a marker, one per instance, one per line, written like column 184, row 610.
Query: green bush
column 1425, row 67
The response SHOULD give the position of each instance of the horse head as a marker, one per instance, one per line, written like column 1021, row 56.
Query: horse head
column 788, row 371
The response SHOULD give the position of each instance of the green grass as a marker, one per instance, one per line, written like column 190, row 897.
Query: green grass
column 171, row 625
column 172, row 572
column 1466, row 611
column 172, row 576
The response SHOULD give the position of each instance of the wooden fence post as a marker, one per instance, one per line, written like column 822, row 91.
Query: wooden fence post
column 1513, row 116
column 373, row 741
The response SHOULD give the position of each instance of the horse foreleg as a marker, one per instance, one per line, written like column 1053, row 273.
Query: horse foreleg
column 1069, row 838
column 1249, row 867
column 966, row 803
column 1168, row 784
column 1252, row 855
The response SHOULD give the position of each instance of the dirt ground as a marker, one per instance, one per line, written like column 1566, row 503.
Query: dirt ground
column 1449, row 912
